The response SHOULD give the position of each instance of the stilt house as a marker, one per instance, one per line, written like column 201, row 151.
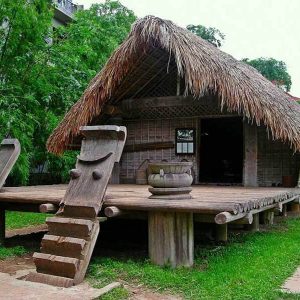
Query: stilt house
column 181, row 98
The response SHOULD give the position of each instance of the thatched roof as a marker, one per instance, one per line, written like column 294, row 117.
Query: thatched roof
column 159, row 45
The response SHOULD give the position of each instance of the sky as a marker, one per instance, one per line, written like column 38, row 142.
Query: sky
column 253, row 28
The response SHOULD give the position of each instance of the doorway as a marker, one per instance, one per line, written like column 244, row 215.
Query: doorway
column 221, row 151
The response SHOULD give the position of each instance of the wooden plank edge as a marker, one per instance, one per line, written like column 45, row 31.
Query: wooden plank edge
column 108, row 288
column 226, row 217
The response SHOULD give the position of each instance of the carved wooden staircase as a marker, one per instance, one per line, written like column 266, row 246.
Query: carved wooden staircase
column 67, row 248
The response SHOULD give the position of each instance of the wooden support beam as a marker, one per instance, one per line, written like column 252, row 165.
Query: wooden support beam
column 267, row 217
column 255, row 224
column 48, row 208
column 149, row 146
column 222, row 233
column 278, row 208
column 284, row 210
column 130, row 105
column 2, row 226
column 226, row 217
column 248, row 219
column 113, row 211
column 171, row 238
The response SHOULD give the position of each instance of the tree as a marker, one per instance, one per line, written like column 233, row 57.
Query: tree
column 23, row 28
column 39, row 82
column 272, row 69
column 211, row 34
column 79, row 51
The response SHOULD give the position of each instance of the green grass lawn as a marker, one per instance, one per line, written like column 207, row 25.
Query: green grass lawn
column 15, row 220
column 250, row 266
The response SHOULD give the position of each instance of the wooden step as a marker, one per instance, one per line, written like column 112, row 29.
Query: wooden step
column 70, row 227
column 56, row 265
column 63, row 246
column 84, row 210
column 50, row 279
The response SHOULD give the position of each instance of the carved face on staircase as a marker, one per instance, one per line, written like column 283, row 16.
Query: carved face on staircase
column 99, row 151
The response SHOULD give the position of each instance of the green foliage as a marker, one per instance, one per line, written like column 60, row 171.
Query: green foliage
column 211, row 34
column 39, row 81
column 251, row 266
column 272, row 69
column 22, row 43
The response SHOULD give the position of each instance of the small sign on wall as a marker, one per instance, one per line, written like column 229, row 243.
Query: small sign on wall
column 185, row 140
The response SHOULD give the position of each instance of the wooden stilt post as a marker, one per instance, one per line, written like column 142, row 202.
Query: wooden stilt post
column 2, row 226
column 284, row 210
column 171, row 238
column 267, row 217
column 255, row 224
column 221, row 233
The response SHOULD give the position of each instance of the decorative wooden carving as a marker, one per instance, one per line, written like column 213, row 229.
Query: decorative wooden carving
column 68, row 246
column 101, row 148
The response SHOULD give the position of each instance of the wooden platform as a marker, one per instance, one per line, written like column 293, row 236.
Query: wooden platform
column 170, row 222
column 215, row 204
column 206, row 199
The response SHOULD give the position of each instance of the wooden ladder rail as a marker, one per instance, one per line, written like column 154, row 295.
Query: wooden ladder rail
column 9, row 152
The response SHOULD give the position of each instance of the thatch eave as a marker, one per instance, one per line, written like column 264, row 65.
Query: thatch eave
column 240, row 87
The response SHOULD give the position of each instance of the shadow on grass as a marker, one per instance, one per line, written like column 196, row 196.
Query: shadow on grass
column 20, row 245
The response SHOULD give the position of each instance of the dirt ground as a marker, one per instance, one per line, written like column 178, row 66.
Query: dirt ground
column 16, row 264
column 12, row 265
column 141, row 293
column 23, row 264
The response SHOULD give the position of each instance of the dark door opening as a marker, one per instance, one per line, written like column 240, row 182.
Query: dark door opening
column 221, row 150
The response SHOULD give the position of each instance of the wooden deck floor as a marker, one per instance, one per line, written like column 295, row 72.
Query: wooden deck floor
column 206, row 199
column 170, row 222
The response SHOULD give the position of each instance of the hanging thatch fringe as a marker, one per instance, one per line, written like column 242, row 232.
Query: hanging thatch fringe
column 204, row 67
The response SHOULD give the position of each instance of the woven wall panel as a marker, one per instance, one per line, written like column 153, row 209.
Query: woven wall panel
column 275, row 159
column 144, row 131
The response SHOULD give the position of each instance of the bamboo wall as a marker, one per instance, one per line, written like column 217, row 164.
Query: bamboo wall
column 274, row 159
column 159, row 130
